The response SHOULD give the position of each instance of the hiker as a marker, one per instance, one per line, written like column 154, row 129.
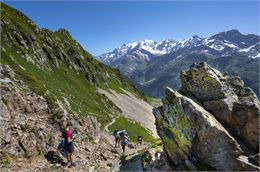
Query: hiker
column 124, row 141
column 140, row 139
column 69, row 146
column 117, row 138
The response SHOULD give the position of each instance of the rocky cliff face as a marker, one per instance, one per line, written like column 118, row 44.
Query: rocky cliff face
column 213, row 126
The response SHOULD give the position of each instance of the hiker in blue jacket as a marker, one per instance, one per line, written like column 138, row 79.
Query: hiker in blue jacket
column 124, row 141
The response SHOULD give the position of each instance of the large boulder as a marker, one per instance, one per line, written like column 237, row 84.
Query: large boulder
column 234, row 105
column 189, row 132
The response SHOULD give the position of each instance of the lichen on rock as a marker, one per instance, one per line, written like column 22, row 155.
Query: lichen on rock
column 236, row 106
column 189, row 127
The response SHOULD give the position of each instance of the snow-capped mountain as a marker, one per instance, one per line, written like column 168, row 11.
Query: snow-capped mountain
column 143, row 49
column 222, row 44
column 153, row 65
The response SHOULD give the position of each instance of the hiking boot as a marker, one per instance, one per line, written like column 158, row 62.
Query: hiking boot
column 72, row 165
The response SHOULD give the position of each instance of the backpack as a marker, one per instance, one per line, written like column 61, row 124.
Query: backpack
column 61, row 147
column 122, row 134
column 64, row 135
column 116, row 133
column 124, row 141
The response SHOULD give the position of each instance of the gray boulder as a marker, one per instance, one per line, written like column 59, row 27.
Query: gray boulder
column 188, row 130
column 234, row 105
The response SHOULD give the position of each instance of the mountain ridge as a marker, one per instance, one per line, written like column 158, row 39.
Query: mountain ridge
column 170, row 45
column 153, row 71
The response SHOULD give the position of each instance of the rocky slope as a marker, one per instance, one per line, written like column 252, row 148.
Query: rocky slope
column 213, row 121
column 31, row 131
column 48, row 80
column 153, row 66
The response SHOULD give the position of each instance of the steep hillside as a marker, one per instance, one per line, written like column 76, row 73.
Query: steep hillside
column 48, row 81
column 153, row 66
column 55, row 66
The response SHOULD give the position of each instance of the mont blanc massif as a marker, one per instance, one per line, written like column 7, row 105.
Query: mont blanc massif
column 187, row 105
column 153, row 66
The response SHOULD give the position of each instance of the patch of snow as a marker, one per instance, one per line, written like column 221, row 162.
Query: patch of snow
column 147, row 82
column 216, row 47
column 246, row 49
column 206, row 41
column 179, row 56
column 151, row 50
column 184, row 42
column 205, row 51
column 226, row 54
column 230, row 45
column 132, row 45
column 111, row 55
column 257, row 56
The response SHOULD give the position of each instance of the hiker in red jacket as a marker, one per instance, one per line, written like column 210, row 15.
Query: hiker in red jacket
column 69, row 145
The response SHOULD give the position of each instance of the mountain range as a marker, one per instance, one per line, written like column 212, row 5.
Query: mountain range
column 153, row 66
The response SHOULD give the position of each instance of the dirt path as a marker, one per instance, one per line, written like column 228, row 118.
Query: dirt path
column 133, row 108
column 131, row 161
column 109, row 124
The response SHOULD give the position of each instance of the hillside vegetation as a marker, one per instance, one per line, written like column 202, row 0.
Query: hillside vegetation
column 133, row 129
column 55, row 66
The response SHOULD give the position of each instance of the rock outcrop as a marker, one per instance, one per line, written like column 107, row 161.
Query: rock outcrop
column 189, row 127
column 226, row 97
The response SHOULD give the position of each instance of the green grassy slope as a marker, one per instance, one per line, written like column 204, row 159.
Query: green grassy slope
column 55, row 66
column 133, row 129
column 155, row 102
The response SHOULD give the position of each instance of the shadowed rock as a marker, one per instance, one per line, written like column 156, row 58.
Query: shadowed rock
column 236, row 106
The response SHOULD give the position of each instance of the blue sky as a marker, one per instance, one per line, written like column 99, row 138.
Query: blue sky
column 102, row 26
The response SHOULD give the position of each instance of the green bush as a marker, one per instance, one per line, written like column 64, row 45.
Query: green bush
column 6, row 160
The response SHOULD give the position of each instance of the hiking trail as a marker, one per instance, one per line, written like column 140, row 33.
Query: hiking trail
column 131, row 161
column 109, row 124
